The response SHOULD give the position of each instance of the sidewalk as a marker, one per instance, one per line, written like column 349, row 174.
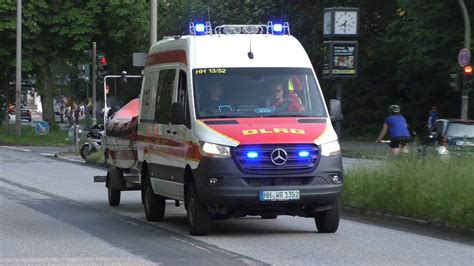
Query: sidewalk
column 364, row 146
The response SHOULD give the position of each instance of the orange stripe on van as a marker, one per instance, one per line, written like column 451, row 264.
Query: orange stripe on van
column 176, row 56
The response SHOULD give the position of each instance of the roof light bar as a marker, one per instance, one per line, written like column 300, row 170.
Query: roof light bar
column 278, row 28
column 200, row 28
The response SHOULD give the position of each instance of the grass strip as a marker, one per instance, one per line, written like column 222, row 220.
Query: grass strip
column 55, row 137
column 427, row 188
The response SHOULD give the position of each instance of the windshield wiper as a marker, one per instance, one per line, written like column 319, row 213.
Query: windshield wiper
column 217, row 116
column 283, row 115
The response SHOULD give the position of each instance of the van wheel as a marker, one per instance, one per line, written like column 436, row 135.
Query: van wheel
column 154, row 204
column 328, row 221
column 198, row 218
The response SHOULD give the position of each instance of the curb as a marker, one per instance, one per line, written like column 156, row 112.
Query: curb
column 80, row 161
column 407, row 223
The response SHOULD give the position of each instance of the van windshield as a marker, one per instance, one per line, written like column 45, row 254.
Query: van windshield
column 256, row 92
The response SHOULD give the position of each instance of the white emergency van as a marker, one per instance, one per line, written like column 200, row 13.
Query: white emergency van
column 233, row 122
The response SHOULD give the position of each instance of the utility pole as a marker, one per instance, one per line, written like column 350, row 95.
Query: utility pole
column 467, row 45
column 18, row 70
column 338, row 124
column 94, row 81
column 153, row 21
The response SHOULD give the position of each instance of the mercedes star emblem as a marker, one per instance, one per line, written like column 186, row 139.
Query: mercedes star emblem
column 279, row 156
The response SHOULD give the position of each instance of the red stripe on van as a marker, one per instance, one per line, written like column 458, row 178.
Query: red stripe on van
column 177, row 56
column 163, row 146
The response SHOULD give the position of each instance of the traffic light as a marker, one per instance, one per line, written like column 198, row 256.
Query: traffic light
column 101, row 66
column 455, row 81
column 467, row 82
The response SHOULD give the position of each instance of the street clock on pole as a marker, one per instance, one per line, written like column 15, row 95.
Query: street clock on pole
column 341, row 22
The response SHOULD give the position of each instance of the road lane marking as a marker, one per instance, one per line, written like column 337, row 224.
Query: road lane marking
column 15, row 148
column 191, row 244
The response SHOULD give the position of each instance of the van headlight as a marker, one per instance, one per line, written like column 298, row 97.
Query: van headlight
column 214, row 150
column 330, row 148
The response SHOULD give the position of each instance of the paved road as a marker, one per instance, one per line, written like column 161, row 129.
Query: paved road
column 52, row 212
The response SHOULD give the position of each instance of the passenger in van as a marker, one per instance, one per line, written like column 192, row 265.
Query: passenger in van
column 284, row 100
column 215, row 102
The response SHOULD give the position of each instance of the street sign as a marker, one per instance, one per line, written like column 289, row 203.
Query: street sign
column 464, row 57
column 42, row 128
column 340, row 59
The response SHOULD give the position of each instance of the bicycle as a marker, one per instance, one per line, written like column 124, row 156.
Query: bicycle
column 403, row 149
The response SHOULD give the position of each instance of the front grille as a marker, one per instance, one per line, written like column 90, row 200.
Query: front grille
column 279, row 181
column 263, row 164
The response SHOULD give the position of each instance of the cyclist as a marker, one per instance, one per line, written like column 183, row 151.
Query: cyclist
column 396, row 125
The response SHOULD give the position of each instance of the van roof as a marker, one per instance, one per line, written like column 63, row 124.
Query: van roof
column 232, row 50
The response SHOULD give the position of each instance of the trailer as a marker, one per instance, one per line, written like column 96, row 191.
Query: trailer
column 120, row 152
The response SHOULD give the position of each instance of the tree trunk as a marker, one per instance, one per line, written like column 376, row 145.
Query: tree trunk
column 47, row 95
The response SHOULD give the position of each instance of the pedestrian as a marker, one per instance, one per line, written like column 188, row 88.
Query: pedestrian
column 61, row 113
column 396, row 125
column 69, row 115
column 77, row 111
column 433, row 116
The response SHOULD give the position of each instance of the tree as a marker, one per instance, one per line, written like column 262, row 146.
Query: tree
column 55, row 33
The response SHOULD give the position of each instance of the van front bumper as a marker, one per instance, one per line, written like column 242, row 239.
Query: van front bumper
column 236, row 191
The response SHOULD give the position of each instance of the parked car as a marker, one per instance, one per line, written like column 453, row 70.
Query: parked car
column 456, row 135
column 26, row 115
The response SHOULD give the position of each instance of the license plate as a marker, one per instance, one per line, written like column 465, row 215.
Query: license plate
column 280, row 195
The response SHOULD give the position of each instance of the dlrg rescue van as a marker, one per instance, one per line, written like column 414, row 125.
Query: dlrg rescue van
column 233, row 122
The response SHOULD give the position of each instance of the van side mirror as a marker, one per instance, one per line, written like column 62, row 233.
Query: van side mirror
column 177, row 113
column 335, row 110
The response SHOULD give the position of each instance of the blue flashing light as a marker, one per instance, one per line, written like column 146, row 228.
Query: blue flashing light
column 277, row 28
column 200, row 27
column 303, row 154
column 252, row 154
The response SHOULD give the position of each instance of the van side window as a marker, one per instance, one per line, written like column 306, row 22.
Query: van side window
column 164, row 93
column 147, row 110
column 183, row 96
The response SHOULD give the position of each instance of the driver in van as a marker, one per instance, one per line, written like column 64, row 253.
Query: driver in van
column 215, row 101
column 284, row 100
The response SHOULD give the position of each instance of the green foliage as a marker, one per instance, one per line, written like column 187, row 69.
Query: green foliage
column 427, row 188
column 28, row 136
column 406, row 48
column 97, row 158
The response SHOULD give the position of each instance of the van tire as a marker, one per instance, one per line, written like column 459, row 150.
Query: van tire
column 200, row 221
column 328, row 221
column 154, row 204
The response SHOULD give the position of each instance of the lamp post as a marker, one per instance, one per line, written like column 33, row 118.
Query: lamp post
column 18, row 70
column 467, row 45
